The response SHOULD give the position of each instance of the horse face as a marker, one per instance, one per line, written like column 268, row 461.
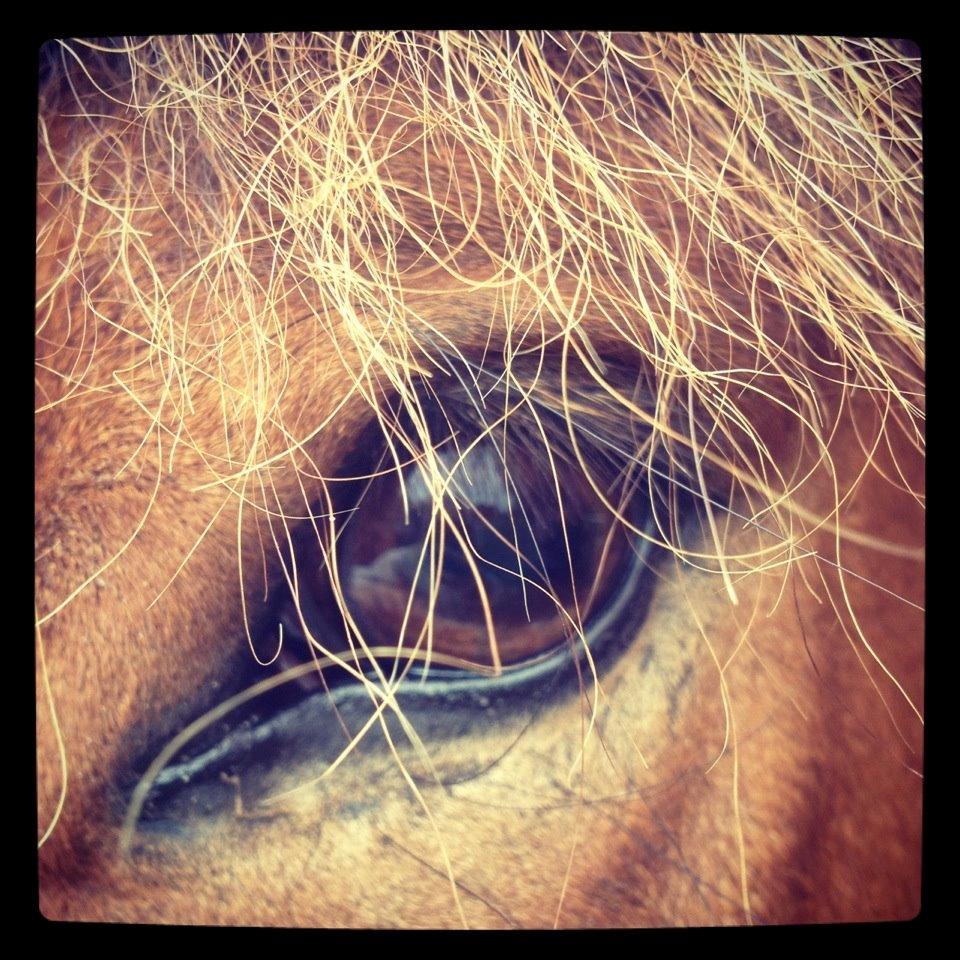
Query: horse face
column 479, row 481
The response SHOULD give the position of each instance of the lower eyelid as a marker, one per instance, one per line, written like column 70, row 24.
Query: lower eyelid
column 310, row 733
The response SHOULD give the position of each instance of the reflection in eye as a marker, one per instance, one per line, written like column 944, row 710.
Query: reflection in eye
column 490, row 572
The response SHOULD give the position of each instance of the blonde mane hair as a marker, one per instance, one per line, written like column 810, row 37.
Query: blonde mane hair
column 738, row 218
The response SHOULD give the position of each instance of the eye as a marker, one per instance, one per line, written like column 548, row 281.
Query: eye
column 479, row 552
column 489, row 548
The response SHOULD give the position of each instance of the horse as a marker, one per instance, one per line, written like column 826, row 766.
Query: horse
column 479, row 480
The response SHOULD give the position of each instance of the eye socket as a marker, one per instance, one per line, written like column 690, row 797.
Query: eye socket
column 491, row 548
column 531, row 531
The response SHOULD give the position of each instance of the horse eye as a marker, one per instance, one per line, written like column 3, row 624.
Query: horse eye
column 470, row 546
column 485, row 552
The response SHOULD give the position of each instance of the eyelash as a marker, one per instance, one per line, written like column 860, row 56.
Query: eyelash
column 277, row 711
